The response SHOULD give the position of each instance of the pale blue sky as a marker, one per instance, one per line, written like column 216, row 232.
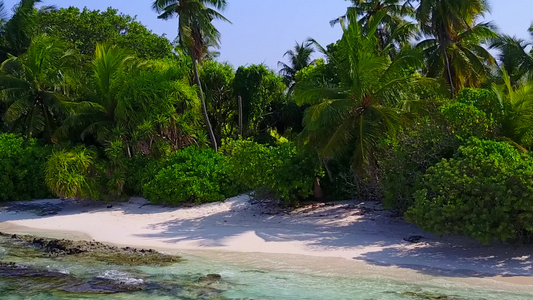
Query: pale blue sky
column 263, row 30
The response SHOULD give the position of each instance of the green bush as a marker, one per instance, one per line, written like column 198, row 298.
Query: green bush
column 21, row 165
column 115, row 168
column 75, row 174
column 404, row 159
column 483, row 99
column 274, row 171
column 423, row 143
column 485, row 192
column 140, row 171
column 191, row 175
column 466, row 120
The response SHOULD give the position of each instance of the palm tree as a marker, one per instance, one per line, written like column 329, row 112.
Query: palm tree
column 454, row 49
column 195, row 31
column 97, row 114
column 299, row 59
column 514, row 57
column 123, row 100
column 517, row 101
column 394, row 29
column 351, row 118
column 466, row 63
column 3, row 14
column 17, row 32
column 31, row 86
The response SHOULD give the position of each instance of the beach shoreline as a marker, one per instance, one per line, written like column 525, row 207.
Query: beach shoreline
column 343, row 239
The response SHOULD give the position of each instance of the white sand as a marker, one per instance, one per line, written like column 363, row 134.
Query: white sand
column 340, row 238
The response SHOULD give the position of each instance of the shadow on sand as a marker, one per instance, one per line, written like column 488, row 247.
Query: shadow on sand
column 344, row 226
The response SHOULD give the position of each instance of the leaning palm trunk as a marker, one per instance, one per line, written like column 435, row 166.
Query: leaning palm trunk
column 204, row 106
column 196, row 33
column 448, row 71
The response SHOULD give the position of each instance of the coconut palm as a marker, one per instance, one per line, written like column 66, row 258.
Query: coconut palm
column 514, row 57
column 454, row 48
column 353, row 117
column 31, row 85
column 3, row 14
column 517, row 100
column 393, row 29
column 17, row 32
column 195, row 31
column 299, row 58
column 466, row 63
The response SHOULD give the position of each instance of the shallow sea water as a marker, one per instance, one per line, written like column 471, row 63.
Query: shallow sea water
column 86, row 279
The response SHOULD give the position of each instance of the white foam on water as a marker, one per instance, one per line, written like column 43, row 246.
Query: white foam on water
column 120, row 277
column 58, row 270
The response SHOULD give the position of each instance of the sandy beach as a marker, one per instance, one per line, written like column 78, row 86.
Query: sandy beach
column 343, row 238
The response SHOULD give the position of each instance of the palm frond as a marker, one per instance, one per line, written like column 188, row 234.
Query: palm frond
column 312, row 95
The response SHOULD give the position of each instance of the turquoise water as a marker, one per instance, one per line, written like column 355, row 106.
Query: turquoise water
column 85, row 279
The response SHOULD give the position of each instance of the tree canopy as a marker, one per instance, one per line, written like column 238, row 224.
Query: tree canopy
column 85, row 28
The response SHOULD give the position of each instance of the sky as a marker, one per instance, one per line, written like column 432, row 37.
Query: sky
column 263, row 30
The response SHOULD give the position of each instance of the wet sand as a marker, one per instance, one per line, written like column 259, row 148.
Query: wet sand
column 343, row 239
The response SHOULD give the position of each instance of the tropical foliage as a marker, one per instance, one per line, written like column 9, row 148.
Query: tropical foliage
column 21, row 161
column 262, row 92
column 394, row 31
column 454, row 48
column 192, row 175
column 484, row 191
column 366, row 105
column 17, row 32
column 84, row 29
column 299, row 59
column 409, row 107
column 277, row 172
column 31, row 87
column 195, row 33
column 74, row 174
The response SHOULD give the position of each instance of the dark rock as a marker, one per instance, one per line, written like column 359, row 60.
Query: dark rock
column 211, row 278
column 40, row 209
column 413, row 239
column 11, row 269
column 429, row 296
column 97, row 251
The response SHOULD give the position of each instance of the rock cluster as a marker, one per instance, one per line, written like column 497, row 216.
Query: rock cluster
column 97, row 251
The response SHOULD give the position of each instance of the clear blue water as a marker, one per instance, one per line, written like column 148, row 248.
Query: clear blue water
column 183, row 281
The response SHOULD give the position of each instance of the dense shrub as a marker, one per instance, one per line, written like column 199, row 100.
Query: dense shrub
column 75, row 174
column 157, row 111
column 191, row 175
column 485, row 192
column 466, row 120
column 262, row 90
column 22, row 172
column 404, row 159
column 485, row 100
column 276, row 171
column 141, row 170
column 425, row 142
column 115, row 168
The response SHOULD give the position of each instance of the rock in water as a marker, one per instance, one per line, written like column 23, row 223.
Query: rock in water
column 210, row 278
column 97, row 251
column 414, row 239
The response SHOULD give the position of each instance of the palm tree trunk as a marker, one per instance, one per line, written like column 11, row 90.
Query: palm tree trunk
column 204, row 106
column 448, row 70
column 241, row 131
column 444, row 40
